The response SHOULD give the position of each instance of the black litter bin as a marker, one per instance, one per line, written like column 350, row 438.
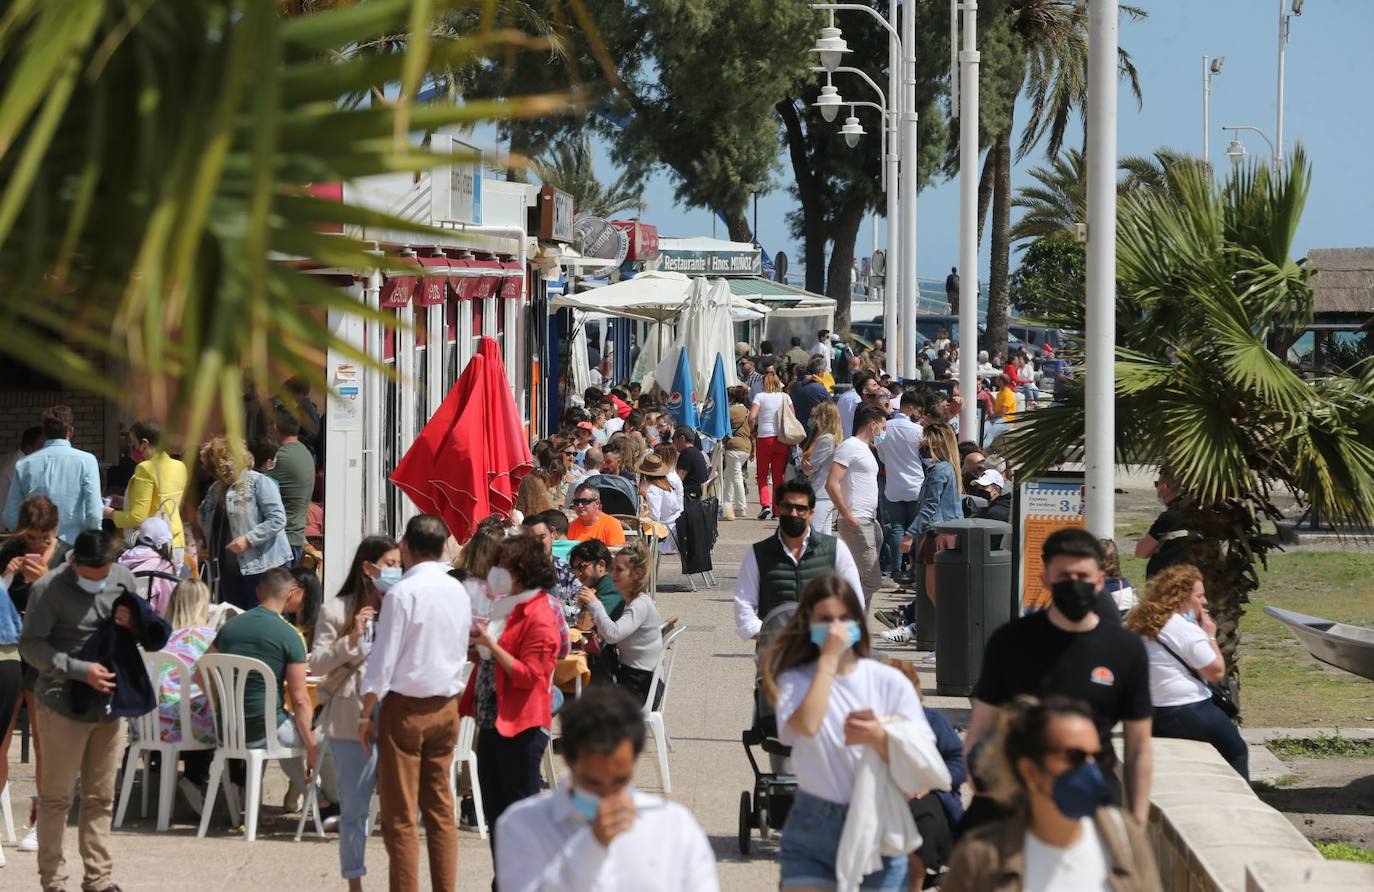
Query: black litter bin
column 925, row 613
column 972, row 583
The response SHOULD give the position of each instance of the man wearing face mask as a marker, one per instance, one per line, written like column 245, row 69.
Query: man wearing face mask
column 1069, row 650
column 853, row 489
column 413, row 672
column 66, row 607
column 595, row 826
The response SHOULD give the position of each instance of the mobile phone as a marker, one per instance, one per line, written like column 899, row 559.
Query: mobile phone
column 862, row 714
column 34, row 556
column 369, row 631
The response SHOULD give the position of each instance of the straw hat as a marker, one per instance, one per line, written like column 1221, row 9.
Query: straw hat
column 653, row 466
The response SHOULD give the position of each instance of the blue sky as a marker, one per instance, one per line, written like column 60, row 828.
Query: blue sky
column 1330, row 65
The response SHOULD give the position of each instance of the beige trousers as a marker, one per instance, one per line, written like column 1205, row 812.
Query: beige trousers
column 92, row 752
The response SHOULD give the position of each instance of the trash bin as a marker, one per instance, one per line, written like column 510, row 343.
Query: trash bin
column 972, row 583
column 925, row 613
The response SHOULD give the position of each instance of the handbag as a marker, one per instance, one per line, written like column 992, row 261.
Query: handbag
column 790, row 431
column 1221, row 694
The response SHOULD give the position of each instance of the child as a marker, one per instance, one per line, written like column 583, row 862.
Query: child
column 1116, row 585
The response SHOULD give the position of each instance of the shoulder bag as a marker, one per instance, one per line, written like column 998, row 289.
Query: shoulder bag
column 1221, row 694
column 790, row 431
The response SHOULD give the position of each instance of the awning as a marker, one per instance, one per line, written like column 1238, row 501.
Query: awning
column 654, row 296
column 782, row 300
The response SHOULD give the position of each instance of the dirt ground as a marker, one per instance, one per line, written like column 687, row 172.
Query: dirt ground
column 1331, row 799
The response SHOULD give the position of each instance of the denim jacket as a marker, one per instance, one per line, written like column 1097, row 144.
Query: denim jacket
column 939, row 499
column 10, row 621
column 255, row 512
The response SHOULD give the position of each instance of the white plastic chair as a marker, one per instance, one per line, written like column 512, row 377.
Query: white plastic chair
column 8, row 812
column 663, row 671
column 465, row 752
column 225, row 678
column 150, row 741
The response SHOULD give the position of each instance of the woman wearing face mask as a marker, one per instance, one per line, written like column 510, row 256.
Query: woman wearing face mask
column 939, row 500
column 831, row 700
column 1060, row 838
column 510, row 695
column 1181, row 640
column 343, row 641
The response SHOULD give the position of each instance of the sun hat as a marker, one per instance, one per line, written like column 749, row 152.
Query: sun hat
column 653, row 466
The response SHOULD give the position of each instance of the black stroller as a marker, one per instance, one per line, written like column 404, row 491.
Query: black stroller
column 774, row 789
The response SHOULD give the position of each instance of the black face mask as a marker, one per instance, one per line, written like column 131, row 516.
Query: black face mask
column 1074, row 597
column 792, row 525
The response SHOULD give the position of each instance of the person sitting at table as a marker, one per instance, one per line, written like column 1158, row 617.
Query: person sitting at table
column 591, row 562
column 543, row 527
column 152, row 552
column 591, row 523
column 510, row 696
column 636, row 634
column 303, row 607
column 343, row 641
column 661, row 501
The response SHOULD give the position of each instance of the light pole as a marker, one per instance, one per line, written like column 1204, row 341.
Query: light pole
column 1209, row 70
column 1236, row 150
column 966, row 89
column 1099, row 436
column 901, row 277
column 1284, row 21
column 890, row 151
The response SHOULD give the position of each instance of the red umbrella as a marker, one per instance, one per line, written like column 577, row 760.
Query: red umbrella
column 469, row 460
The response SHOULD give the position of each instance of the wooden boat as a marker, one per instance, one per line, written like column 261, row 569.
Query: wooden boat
column 1344, row 646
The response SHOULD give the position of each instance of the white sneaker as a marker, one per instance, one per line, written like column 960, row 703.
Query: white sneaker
column 30, row 841
column 898, row 635
column 194, row 797
column 928, row 658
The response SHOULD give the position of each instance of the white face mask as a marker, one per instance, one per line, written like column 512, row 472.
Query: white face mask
column 500, row 582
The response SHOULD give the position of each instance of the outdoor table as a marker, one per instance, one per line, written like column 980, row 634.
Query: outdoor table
column 572, row 672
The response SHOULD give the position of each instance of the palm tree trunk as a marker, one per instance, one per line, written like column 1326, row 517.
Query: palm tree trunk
column 1001, row 244
column 985, row 191
column 842, row 260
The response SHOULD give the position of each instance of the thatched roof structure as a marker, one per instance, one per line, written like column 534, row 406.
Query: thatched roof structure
column 1342, row 280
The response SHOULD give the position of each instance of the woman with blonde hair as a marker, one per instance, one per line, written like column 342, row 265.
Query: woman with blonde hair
column 635, row 634
column 243, row 520
column 771, row 455
column 738, row 448
column 188, row 613
column 940, row 498
column 818, row 449
column 533, row 496
column 1181, row 641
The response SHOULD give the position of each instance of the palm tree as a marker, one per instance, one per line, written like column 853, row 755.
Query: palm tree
column 568, row 166
column 154, row 161
column 1204, row 277
column 1049, row 41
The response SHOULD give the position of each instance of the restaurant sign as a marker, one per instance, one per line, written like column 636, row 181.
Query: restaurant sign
column 711, row 263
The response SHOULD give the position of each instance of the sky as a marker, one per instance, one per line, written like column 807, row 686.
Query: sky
column 1330, row 66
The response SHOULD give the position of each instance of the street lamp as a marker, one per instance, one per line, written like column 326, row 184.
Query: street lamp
column 829, row 101
column 830, row 46
column 1208, row 72
column 852, row 129
column 1236, row 151
column 1284, row 21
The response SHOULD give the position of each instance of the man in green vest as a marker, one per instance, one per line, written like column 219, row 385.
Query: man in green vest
column 776, row 570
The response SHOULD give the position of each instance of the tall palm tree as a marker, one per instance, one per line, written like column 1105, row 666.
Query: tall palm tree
column 154, row 159
column 1204, row 277
column 1050, row 41
column 568, row 166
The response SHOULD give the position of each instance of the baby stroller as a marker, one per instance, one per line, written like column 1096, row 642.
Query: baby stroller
column 774, row 789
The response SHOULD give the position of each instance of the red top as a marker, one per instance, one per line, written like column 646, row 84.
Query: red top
column 1012, row 372
column 524, row 698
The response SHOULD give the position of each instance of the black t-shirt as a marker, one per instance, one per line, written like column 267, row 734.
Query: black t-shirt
column 940, row 367
column 1171, row 550
column 694, row 463
column 1106, row 668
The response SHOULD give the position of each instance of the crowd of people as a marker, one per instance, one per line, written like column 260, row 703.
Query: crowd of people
column 550, row 612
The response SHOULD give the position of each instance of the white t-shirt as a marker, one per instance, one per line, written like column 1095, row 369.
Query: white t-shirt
column 824, row 764
column 1082, row 867
column 860, row 485
column 614, row 426
column 767, row 422
column 1170, row 683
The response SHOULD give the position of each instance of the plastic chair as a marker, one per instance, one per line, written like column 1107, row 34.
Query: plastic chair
column 464, row 752
column 663, row 672
column 7, row 811
column 226, row 677
column 150, row 741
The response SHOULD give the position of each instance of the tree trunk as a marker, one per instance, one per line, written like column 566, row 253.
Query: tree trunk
column 839, row 286
column 737, row 224
column 985, row 191
column 808, row 192
column 1001, row 245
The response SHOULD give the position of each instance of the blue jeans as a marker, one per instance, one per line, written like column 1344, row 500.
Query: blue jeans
column 357, row 773
column 897, row 516
column 1204, row 721
column 995, row 428
column 811, row 841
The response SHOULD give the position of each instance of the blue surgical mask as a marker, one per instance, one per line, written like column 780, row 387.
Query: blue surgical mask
column 91, row 586
column 1079, row 791
column 882, row 435
column 1191, row 616
column 927, row 461
column 584, row 803
column 387, row 577
column 819, row 631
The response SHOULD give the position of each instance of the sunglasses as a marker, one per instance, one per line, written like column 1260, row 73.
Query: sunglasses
column 793, row 508
column 1075, row 756
column 570, row 455
column 585, row 501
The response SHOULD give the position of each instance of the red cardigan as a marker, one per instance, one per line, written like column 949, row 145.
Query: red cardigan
column 524, row 698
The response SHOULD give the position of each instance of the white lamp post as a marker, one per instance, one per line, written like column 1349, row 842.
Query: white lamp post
column 1210, row 68
column 1236, row 151
column 1284, row 22
column 966, row 88
column 1099, row 438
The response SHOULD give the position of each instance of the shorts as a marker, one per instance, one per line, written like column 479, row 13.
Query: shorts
column 811, row 841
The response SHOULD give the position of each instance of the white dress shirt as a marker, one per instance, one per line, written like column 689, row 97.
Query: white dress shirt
column 7, row 475
column 747, row 619
column 901, row 455
column 422, row 635
column 543, row 844
column 848, row 404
